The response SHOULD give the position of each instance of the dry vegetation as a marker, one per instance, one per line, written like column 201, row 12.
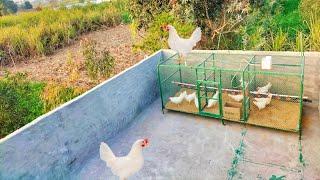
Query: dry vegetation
column 67, row 65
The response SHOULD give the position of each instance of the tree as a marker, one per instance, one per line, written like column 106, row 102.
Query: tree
column 27, row 5
column 10, row 6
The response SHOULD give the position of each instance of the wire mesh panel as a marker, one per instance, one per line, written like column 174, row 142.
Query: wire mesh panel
column 228, row 71
column 209, row 98
column 235, row 87
column 276, row 93
column 176, row 77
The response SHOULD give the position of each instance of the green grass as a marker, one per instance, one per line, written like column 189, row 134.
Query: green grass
column 41, row 32
column 20, row 102
column 290, row 19
column 276, row 26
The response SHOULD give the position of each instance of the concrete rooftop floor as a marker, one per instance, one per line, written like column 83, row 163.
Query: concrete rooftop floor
column 185, row 146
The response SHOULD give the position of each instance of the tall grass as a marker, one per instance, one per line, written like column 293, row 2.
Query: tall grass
column 40, row 33
column 314, row 37
column 22, row 100
column 278, row 41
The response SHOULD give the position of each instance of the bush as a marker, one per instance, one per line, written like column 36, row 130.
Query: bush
column 20, row 102
column 97, row 63
column 27, row 5
column 279, row 23
column 73, row 68
column 155, row 38
column 8, row 6
column 144, row 12
column 55, row 94
column 218, row 19
column 245, row 25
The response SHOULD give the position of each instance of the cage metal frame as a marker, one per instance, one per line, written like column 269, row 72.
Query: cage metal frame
column 246, row 71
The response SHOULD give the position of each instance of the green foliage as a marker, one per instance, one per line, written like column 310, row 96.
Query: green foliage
column 257, row 3
column 97, row 63
column 126, row 17
column 253, row 41
column 155, row 38
column 54, row 95
column 238, row 156
column 279, row 22
column 278, row 41
column 249, row 25
column 214, row 17
column 300, row 42
column 123, row 8
column 20, row 102
column 41, row 32
column 144, row 12
column 288, row 18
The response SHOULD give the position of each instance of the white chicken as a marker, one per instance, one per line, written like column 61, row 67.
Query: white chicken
column 261, row 103
column 179, row 99
column 264, row 89
column 190, row 97
column 237, row 98
column 181, row 45
column 212, row 102
column 125, row 166
column 267, row 99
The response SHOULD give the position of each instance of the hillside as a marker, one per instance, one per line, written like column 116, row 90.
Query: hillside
column 118, row 40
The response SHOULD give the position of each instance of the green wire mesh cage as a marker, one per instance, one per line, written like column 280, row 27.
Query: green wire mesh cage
column 228, row 87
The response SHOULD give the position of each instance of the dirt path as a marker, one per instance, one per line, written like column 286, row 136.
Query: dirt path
column 117, row 40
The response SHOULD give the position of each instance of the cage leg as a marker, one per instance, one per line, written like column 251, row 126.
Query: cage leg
column 222, row 121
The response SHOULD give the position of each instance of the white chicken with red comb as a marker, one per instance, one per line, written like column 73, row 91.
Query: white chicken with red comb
column 124, row 166
column 181, row 45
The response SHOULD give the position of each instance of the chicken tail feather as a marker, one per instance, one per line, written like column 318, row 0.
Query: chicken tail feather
column 106, row 154
column 196, row 36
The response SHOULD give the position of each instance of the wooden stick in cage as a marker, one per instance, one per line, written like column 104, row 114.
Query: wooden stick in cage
column 305, row 98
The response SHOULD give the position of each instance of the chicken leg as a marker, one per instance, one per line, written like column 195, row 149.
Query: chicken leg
column 181, row 59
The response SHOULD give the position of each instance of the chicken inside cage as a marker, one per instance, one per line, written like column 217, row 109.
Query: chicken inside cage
column 236, row 88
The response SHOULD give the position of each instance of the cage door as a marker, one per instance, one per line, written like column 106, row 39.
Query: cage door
column 209, row 96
